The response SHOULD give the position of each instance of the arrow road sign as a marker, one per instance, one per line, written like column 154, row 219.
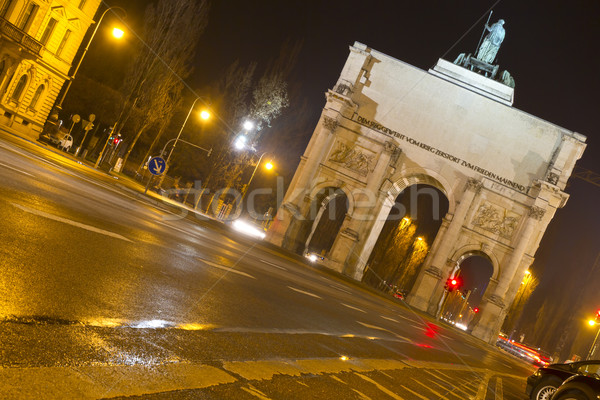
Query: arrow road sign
column 157, row 166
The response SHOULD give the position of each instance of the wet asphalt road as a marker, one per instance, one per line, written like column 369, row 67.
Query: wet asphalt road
column 106, row 293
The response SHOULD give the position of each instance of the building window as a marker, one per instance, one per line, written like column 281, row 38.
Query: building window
column 28, row 16
column 82, row 4
column 5, row 8
column 48, row 31
column 63, row 42
column 36, row 96
column 19, row 88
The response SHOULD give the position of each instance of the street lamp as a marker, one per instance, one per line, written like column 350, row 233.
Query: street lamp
column 204, row 115
column 593, row 346
column 117, row 33
column 268, row 165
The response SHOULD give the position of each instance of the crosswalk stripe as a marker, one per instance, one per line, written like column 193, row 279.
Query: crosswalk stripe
column 380, row 387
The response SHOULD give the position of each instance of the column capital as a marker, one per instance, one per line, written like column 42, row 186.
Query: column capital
column 536, row 212
column 329, row 123
column 474, row 185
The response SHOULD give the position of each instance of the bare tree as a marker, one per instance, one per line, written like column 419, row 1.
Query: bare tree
column 171, row 32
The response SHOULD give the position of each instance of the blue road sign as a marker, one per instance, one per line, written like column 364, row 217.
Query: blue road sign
column 157, row 166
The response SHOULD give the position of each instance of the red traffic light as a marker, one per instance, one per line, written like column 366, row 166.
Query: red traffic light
column 453, row 283
column 476, row 310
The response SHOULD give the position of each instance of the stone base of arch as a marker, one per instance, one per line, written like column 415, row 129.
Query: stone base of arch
column 424, row 289
column 492, row 316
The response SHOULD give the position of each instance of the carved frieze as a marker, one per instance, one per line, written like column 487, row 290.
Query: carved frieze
column 496, row 219
column 353, row 158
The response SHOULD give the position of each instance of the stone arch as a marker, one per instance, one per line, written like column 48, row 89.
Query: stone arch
column 336, row 185
column 476, row 250
column 415, row 176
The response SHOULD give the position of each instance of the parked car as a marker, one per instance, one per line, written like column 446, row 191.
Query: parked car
column 579, row 387
column 63, row 142
column 544, row 382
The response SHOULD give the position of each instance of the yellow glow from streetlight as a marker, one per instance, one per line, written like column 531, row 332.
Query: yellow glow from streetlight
column 420, row 239
column 118, row 33
column 269, row 165
column 406, row 219
column 204, row 114
column 591, row 322
column 527, row 272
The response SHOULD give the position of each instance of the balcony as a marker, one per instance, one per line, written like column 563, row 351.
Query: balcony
column 10, row 31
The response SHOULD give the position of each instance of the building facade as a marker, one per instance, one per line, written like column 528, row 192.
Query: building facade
column 387, row 126
column 39, row 40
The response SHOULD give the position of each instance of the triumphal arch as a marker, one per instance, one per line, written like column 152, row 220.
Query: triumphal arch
column 387, row 125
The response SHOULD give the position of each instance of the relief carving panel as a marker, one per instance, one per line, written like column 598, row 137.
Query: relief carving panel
column 496, row 219
column 353, row 158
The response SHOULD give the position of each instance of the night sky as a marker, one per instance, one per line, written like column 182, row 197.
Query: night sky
column 551, row 49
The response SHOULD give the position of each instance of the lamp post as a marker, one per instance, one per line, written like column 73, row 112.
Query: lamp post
column 594, row 322
column 116, row 32
column 268, row 165
column 204, row 115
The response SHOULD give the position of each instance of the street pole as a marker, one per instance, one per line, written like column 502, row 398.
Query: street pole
column 251, row 177
column 593, row 347
column 180, row 131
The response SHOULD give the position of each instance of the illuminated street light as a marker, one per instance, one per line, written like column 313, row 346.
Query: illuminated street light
column 204, row 115
column 248, row 125
column 268, row 165
column 593, row 322
column 117, row 33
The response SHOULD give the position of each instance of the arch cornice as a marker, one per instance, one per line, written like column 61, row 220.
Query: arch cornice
column 337, row 184
column 478, row 250
column 413, row 176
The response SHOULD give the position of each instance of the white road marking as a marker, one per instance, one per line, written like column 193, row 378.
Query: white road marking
column 273, row 265
column 306, row 293
column 222, row 267
column 380, row 387
column 414, row 393
column 388, row 318
column 354, row 308
column 70, row 222
column 384, row 330
column 16, row 169
column 499, row 392
column 439, row 395
column 340, row 289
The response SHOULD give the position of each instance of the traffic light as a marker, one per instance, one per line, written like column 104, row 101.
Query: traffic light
column 453, row 283
column 476, row 310
column 598, row 316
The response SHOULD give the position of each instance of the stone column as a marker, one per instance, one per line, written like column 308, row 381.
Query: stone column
column 345, row 250
column 508, row 272
column 291, row 216
column 492, row 308
column 426, row 289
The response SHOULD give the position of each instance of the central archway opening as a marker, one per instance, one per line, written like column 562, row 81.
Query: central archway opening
column 405, row 239
column 473, row 272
